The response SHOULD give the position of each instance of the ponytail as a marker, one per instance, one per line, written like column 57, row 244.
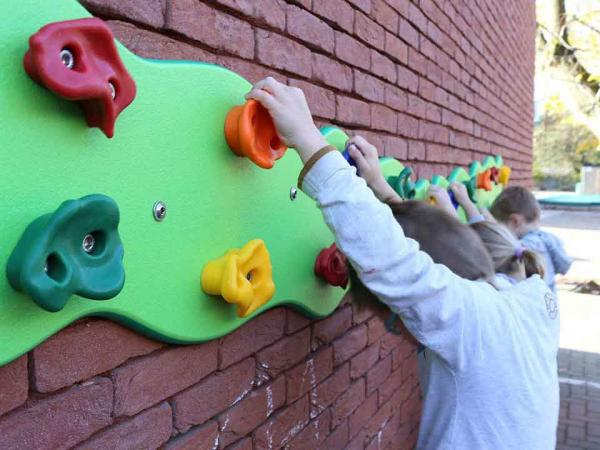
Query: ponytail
column 533, row 264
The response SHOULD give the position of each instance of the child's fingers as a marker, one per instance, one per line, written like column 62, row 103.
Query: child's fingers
column 358, row 158
column 271, row 85
column 363, row 146
column 264, row 98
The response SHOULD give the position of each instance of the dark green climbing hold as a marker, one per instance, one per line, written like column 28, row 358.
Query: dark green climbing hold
column 76, row 250
column 403, row 185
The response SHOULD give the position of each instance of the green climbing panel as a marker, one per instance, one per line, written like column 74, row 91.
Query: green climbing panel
column 168, row 145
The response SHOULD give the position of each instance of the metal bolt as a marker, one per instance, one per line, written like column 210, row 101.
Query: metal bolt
column 113, row 91
column 88, row 243
column 293, row 193
column 159, row 211
column 249, row 276
column 67, row 58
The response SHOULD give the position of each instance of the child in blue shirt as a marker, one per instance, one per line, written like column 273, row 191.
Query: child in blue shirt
column 518, row 209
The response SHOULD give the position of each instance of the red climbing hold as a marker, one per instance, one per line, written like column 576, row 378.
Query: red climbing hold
column 78, row 60
column 331, row 266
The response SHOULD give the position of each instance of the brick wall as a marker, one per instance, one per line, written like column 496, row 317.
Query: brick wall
column 435, row 83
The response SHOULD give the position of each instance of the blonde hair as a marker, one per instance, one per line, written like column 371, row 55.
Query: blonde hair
column 506, row 251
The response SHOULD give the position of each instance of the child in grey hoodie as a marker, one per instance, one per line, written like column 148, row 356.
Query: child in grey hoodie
column 492, row 377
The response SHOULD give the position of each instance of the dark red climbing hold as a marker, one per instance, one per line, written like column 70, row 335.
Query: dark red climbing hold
column 78, row 61
column 332, row 267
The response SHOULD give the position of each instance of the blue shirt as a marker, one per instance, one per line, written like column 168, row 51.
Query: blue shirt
column 551, row 249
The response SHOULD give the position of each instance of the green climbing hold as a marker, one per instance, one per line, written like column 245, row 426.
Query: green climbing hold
column 76, row 250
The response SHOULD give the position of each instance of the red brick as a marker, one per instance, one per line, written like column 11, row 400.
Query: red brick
column 395, row 98
column 400, row 5
column 390, row 386
column 307, row 375
column 349, row 345
column 335, row 325
column 376, row 329
column 364, row 361
column 204, row 24
column 337, row 11
column 417, row 17
column 369, row 87
column 409, row 127
column 253, row 410
column 330, row 72
column 339, row 437
column 282, row 53
column 284, row 425
column 313, row 434
column 284, row 353
column 396, row 48
column 251, row 337
column 347, row 403
column 432, row 132
column 146, row 381
column 403, row 351
column 352, row 51
column 383, row 118
column 416, row 150
column 359, row 314
column 389, row 342
column 265, row 12
column 377, row 421
column 353, row 112
column 204, row 437
column 408, row 33
column 149, row 44
column 147, row 12
column 396, row 147
column 60, row 421
column 411, row 408
column 385, row 15
column 364, row 5
column 150, row 429
column 368, row 30
column 321, row 101
column 309, row 28
column 378, row 374
column 85, row 349
column 14, row 384
column 383, row 66
column 252, row 72
column 418, row 63
column 407, row 79
column 410, row 366
column 360, row 416
column 244, row 444
column 417, row 106
column 329, row 390
column 295, row 321
column 216, row 393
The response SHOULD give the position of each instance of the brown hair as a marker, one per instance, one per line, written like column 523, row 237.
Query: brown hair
column 515, row 200
column 443, row 237
column 506, row 251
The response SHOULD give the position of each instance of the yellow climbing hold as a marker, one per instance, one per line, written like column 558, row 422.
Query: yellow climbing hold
column 243, row 277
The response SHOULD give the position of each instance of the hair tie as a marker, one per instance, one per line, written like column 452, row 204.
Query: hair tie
column 519, row 252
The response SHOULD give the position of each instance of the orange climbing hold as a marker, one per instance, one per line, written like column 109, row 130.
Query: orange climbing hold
column 250, row 132
column 484, row 180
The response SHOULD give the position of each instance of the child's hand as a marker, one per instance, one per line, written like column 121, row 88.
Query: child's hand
column 291, row 115
column 462, row 197
column 442, row 199
column 367, row 162
column 460, row 192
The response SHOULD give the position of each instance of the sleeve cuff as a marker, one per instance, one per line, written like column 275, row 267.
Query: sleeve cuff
column 476, row 219
column 319, row 169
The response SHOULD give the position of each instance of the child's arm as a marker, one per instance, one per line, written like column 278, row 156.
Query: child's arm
column 560, row 260
column 442, row 199
column 367, row 161
column 463, row 199
column 443, row 311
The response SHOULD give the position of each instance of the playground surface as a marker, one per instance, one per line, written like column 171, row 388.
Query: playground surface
column 579, row 354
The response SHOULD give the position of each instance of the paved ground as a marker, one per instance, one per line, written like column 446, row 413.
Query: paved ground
column 579, row 356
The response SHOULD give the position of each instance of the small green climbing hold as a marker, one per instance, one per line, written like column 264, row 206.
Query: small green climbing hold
column 74, row 250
